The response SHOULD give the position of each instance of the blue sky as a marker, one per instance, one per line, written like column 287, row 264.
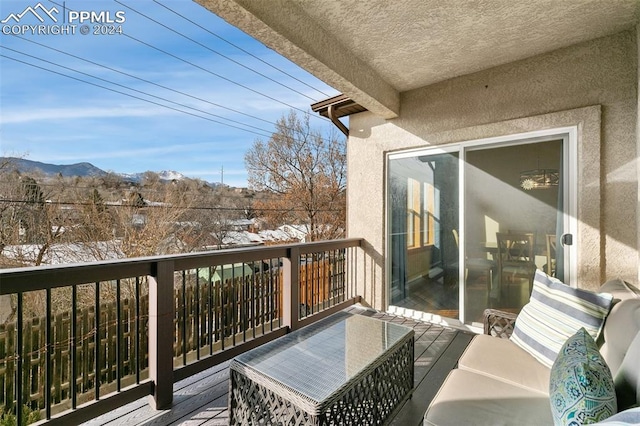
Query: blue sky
column 52, row 118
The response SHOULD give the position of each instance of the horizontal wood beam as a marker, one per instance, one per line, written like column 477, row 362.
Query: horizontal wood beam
column 15, row 280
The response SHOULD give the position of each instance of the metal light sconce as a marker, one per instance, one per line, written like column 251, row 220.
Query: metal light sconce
column 539, row 179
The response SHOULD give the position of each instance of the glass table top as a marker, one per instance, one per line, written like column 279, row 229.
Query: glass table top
column 317, row 360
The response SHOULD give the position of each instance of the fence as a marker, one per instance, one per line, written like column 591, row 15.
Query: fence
column 142, row 331
column 133, row 341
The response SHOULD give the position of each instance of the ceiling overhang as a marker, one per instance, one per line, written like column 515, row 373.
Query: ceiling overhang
column 285, row 28
column 374, row 50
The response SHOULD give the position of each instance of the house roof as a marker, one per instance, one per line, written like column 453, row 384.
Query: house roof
column 376, row 49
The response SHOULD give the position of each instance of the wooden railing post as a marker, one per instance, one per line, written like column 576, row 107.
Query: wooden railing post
column 161, row 313
column 291, row 288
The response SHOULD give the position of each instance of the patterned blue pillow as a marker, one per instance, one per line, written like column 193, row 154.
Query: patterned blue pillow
column 581, row 388
column 554, row 313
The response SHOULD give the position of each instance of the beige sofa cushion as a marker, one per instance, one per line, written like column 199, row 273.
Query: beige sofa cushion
column 621, row 326
column 627, row 379
column 504, row 360
column 620, row 350
column 620, row 289
column 469, row 398
column 621, row 347
column 499, row 383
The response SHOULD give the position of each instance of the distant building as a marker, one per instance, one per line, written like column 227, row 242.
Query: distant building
column 63, row 253
column 284, row 234
column 225, row 272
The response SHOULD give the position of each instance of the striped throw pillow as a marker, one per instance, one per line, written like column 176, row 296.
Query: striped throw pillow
column 556, row 312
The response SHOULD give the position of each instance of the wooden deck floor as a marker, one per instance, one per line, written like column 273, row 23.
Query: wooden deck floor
column 202, row 399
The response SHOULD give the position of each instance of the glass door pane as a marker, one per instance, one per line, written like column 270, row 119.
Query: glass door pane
column 423, row 203
column 513, row 209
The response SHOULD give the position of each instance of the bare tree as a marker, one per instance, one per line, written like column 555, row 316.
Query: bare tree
column 11, row 193
column 94, row 226
column 147, row 225
column 305, row 174
column 212, row 218
column 33, row 221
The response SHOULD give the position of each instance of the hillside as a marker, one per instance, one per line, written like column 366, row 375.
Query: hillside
column 66, row 170
column 78, row 169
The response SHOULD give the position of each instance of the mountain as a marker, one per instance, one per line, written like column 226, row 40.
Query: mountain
column 163, row 175
column 29, row 166
column 79, row 169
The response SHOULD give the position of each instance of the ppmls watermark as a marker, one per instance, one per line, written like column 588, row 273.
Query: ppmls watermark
column 53, row 21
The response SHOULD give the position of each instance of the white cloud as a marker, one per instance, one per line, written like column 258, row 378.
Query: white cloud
column 215, row 173
column 32, row 115
column 130, row 153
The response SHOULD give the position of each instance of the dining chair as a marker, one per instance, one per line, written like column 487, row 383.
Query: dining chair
column 483, row 267
column 550, row 267
column 516, row 261
column 524, row 231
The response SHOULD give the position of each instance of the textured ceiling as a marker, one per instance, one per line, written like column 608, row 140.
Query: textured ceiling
column 372, row 50
column 413, row 43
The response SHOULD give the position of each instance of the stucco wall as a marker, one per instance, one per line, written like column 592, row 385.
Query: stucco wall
column 638, row 127
column 592, row 85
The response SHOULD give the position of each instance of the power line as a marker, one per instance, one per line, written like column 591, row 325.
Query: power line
column 267, row 133
column 213, row 73
column 144, row 80
column 215, row 51
column 144, row 93
column 241, row 49
column 152, row 83
column 127, row 94
column 148, row 82
column 219, row 76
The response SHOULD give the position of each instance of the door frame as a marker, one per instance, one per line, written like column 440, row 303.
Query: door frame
column 569, row 137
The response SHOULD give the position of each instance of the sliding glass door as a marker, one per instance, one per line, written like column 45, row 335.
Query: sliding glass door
column 469, row 227
column 424, row 209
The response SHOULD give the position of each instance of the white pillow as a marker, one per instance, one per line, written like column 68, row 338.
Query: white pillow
column 556, row 312
column 623, row 418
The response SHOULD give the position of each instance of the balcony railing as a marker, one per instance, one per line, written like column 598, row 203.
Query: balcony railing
column 84, row 339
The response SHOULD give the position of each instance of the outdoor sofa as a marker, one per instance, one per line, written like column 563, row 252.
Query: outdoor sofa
column 497, row 382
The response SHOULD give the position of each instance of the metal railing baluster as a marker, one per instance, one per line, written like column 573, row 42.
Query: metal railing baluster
column 138, row 331
column 183, row 309
column 210, row 312
column 96, row 347
column 48, row 347
column 119, row 338
column 223, row 304
column 270, row 297
column 243, row 310
column 234, row 305
column 196, row 319
column 73, row 354
column 311, row 291
column 253, row 298
column 19, row 359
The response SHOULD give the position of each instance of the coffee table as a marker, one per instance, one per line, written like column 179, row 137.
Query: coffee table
column 345, row 369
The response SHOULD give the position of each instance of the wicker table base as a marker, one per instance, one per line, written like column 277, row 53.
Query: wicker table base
column 368, row 396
